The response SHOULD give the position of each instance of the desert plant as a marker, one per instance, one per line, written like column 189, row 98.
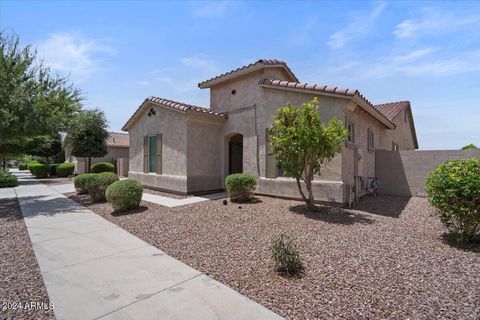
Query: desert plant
column 97, row 185
column 240, row 186
column 453, row 189
column 7, row 180
column 38, row 170
column 102, row 167
column 285, row 255
column 65, row 169
column 80, row 182
column 124, row 195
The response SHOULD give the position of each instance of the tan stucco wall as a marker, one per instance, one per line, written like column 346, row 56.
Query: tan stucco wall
column 113, row 154
column 403, row 173
column 402, row 135
column 173, row 127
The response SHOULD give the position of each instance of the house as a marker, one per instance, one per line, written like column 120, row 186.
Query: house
column 117, row 148
column 188, row 149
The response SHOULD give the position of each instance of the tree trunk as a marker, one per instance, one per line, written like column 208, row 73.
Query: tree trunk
column 308, row 183
column 299, row 185
column 89, row 161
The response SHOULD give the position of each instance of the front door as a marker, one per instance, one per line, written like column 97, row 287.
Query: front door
column 235, row 157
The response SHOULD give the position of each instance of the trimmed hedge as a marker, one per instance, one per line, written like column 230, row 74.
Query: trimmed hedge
column 7, row 180
column 23, row 166
column 454, row 189
column 97, row 185
column 38, row 170
column 80, row 182
column 53, row 170
column 31, row 163
column 240, row 186
column 124, row 195
column 103, row 167
column 65, row 169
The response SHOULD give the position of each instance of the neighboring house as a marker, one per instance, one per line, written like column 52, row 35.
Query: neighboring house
column 188, row 149
column 117, row 147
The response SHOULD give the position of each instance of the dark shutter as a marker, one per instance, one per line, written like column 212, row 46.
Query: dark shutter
column 145, row 154
column 270, row 165
column 159, row 153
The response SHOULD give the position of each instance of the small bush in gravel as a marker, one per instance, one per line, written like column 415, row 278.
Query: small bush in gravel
column 103, row 167
column 124, row 195
column 285, row 255
column 80, row 182
column 97, row 185
column 240, row 186
column 454, row 189
column 38, row 170
column 65, row 169
column 7, row 180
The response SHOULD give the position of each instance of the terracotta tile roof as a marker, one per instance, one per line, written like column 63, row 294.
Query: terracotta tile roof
column 329, row 91
column 170, row 104
column 117, row 139
column 260, row 64
column 392, row 109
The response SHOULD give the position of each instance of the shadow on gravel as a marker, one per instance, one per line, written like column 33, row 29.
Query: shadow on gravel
column 450, row 239
column 332, row 215
column 387, row 206
column 126, row 213
column 10, row 209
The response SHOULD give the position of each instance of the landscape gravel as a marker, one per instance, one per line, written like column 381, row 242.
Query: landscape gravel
column 387, row 259
column 22, row 290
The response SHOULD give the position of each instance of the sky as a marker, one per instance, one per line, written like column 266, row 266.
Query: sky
column 120, row 52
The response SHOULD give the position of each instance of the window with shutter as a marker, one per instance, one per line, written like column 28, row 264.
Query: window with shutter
column 145, row 154
column 159, row 154
column 152, row 154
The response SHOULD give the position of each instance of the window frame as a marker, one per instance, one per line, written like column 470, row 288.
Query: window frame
column 395, row 147
column 370, row 139
column 351, row 134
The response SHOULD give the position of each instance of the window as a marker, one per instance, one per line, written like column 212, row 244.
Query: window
column 152, row 154
column 351, row 132
column 394, row 146
column 370, row 139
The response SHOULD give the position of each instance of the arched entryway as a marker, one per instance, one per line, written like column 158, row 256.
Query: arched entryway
column 235, row 154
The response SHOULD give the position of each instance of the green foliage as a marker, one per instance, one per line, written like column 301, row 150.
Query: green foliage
column 103, row 167
column 38, row 170
column 97, row 185
column 469, row 147
column 88, row 133
column 7, row 180
column 240, row 186
column 46, row 147
column 124, row 195
column 31, row 163
column 80, row 182
column 454, row 189
column 302, row 143
column 34, row 101
column 22, row 166
column 285, row 255
column 65, row 169
column 53, row 170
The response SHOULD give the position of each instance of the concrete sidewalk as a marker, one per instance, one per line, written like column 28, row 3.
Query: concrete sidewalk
column 93, row 269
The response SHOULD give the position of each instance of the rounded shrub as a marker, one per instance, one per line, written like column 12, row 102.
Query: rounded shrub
column 38, row 170
column 7, row 180
column 124, row 195
column 65, row 169
column 453, row 188
column 103, row 167
column 97, row 185
column 240, row 186
column 80, row 182
column 31, row 163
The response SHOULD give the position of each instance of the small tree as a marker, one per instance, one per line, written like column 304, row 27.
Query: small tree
column 301, row 143
column 47, row 147
column 87, row 135
column 469, row 147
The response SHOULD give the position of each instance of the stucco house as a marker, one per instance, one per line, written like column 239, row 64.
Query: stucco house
column 117, row 148
column 188, row 149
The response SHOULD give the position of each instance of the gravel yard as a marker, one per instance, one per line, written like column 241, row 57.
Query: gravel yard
column 387, row 259
column 20, row 278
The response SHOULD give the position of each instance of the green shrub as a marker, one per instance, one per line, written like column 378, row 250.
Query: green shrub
column 65, row 169
column 103, row 167
column 453, row 188
column 80, row 182
column 32, row 163
column 124, row 195
column 38, row 170
column 97, row 185
column 53, row 170
column 285, row 255
column 22, row 166
column 7, row 180
column 240, row 186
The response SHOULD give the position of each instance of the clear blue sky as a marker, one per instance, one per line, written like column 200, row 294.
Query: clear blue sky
column 119, row 52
